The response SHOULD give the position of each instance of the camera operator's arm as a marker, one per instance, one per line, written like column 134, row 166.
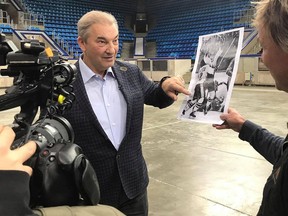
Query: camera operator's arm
column 14, row 176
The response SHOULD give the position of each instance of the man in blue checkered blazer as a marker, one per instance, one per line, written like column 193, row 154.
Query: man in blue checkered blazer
column 107, row 115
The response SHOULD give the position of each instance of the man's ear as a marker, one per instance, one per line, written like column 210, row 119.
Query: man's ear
column 81, row 43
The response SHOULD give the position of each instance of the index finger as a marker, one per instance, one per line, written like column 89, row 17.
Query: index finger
column 181, row 89
column 7, row 137
column 26, row 151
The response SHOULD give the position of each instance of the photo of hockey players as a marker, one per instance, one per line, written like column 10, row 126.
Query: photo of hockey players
column 213, row 76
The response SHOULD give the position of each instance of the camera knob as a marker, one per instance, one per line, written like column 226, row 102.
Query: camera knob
column 45, row 153
column 52, row 158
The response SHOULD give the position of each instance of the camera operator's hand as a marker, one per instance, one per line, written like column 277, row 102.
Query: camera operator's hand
column 14, row 159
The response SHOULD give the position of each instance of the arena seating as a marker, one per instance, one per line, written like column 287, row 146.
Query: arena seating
column 5, row 28
column 61, row 18
column 175, row 29
column 180, row 23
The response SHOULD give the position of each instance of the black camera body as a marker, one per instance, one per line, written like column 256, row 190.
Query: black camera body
column 41, row 80
column 42, row 84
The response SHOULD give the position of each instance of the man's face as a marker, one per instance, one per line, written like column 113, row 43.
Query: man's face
column 275, row 59
column 100, row 48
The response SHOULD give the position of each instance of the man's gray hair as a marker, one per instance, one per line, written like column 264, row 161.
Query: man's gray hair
column 94, row 17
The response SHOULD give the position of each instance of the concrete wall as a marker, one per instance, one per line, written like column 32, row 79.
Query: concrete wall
column 260, row 75
column 174, row 68
column 182, row 67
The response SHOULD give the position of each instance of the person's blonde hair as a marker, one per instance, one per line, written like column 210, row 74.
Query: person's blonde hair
column 94, row 17
column 273, row 16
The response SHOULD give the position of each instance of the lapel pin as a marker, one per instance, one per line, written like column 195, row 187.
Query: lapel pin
column 123, row 69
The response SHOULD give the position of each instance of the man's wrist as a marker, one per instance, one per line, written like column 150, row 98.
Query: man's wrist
column 163, row 79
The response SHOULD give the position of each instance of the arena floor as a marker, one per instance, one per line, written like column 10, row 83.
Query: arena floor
column 196, row 170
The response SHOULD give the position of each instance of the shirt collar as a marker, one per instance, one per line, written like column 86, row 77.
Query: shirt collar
column 87, row 73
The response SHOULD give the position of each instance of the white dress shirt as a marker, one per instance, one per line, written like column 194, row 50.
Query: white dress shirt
column 107, row 102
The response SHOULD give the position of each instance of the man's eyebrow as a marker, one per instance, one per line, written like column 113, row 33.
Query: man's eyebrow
column 103, row 38
column 100, row 37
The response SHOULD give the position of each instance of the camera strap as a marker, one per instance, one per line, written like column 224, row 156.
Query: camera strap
column 86, row 180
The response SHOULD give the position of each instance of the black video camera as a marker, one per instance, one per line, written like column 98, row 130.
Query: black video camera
column 42, row 84
column 40, row 81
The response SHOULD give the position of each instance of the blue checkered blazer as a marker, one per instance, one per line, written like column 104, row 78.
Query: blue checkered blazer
column 126, row 166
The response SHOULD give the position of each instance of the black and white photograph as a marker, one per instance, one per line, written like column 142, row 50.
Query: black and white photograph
column 213, row 76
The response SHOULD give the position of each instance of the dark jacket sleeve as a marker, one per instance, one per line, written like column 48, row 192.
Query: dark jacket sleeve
column 263, row 141
column 135, row 84
column 14, row 193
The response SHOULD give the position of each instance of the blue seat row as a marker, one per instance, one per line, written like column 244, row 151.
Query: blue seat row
column 185, row 22
column 61, row 19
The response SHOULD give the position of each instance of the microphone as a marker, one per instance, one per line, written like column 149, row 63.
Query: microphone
column 120, row 87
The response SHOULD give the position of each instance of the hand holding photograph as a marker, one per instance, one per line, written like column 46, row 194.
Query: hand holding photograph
column 213, row 77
